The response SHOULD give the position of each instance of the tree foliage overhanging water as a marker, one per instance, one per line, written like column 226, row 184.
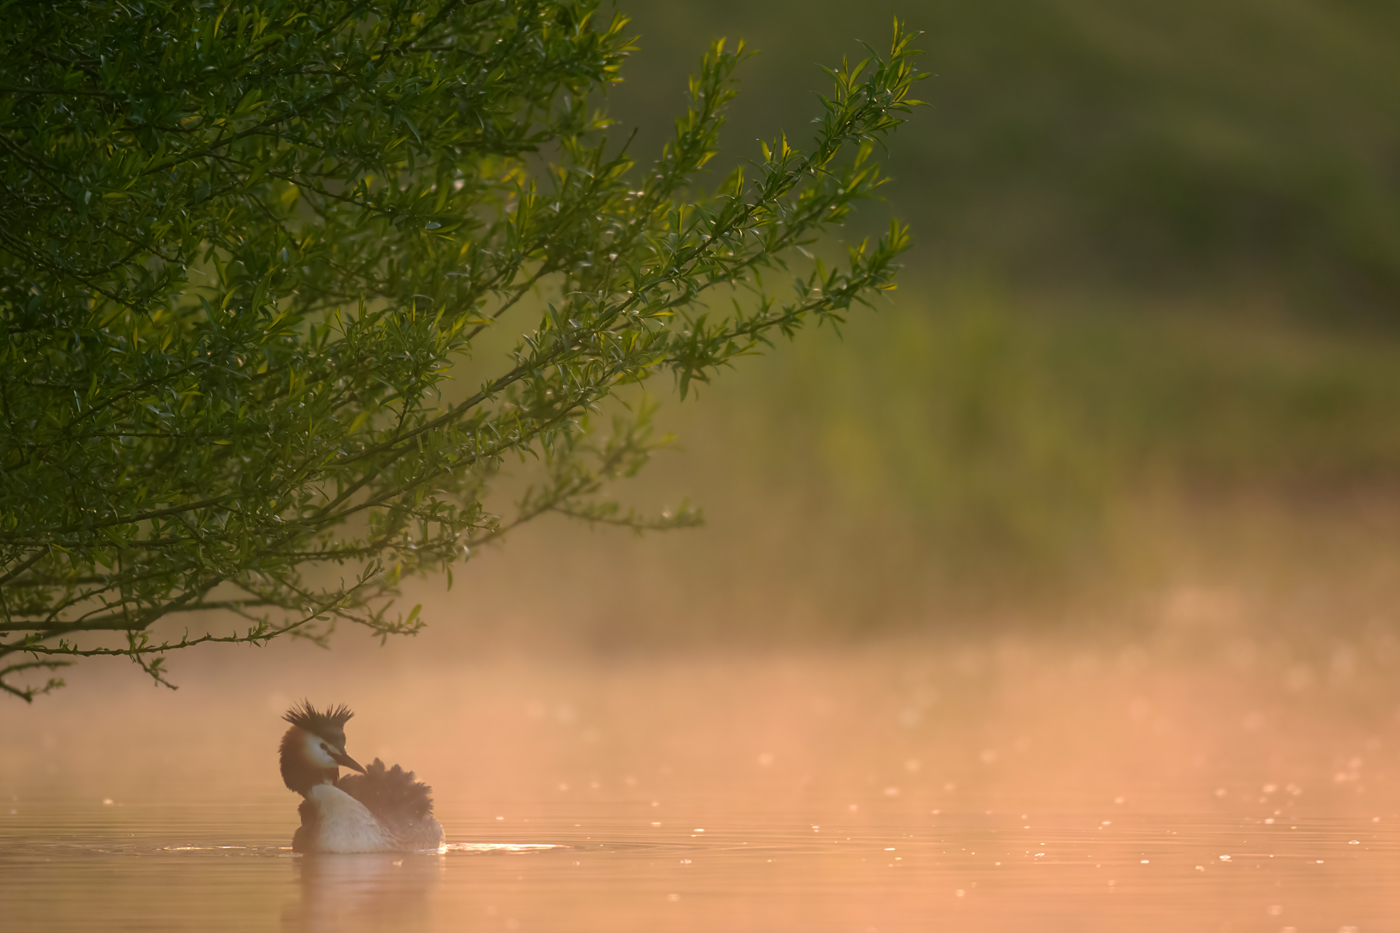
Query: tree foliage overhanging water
column 240, row 250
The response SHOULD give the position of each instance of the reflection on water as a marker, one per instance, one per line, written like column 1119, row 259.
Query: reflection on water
column 368, row 892
column 1232, row 784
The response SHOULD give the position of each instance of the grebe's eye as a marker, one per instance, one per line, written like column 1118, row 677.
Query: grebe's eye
column 324, row 748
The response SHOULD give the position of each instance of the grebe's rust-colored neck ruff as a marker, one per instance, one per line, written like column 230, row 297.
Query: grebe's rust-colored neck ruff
column 299, row 773
column 378, row 810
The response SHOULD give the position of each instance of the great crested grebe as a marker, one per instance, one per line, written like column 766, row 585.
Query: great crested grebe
column 377, row 810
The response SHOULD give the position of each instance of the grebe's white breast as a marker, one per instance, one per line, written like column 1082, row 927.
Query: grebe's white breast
column 343, row 824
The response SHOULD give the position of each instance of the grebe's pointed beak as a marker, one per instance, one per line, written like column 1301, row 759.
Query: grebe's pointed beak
column 346, row 761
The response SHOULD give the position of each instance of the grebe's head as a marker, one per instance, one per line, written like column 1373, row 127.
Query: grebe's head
column 314, row 746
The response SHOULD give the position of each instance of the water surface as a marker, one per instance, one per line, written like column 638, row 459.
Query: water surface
column 1010, row 785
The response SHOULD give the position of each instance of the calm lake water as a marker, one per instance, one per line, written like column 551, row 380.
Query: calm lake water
column 1175, row 783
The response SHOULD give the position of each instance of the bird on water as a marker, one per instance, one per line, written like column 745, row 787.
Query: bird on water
column 377, row 810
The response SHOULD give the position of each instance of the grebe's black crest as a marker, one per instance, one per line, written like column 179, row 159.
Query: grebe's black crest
column 330, row 724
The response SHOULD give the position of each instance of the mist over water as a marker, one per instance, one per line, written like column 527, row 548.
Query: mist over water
column 1200, row 777
column 693, row 732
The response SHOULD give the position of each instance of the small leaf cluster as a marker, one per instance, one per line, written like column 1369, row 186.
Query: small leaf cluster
column 247, row 250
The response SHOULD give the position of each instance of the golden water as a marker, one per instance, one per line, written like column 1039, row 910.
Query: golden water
column 1201, row 783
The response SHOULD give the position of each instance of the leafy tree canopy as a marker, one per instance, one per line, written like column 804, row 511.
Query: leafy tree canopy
column 243, row 245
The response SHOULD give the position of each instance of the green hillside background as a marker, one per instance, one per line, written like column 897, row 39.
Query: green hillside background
column 1147, row 343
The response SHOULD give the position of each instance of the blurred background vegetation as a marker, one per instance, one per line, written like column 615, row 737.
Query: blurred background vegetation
column 1147, row 343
